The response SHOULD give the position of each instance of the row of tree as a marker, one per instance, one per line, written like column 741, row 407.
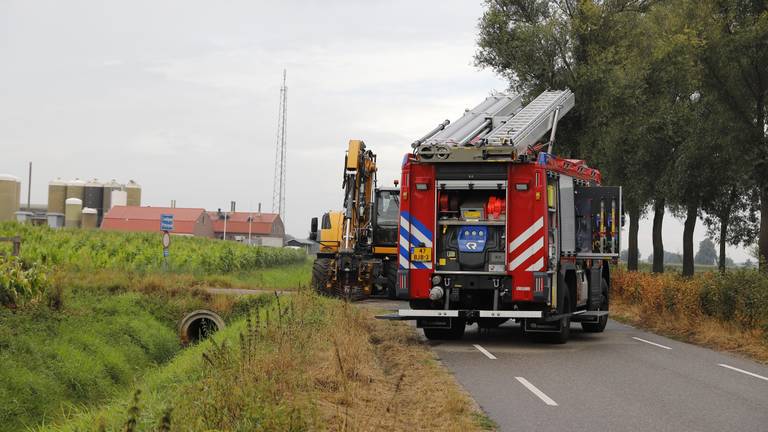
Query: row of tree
column 672, row 100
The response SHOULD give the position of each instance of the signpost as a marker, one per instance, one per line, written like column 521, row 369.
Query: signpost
column 166, row 222
column 166, row 225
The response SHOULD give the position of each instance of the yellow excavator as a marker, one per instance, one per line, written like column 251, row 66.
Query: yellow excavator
column 358, row 245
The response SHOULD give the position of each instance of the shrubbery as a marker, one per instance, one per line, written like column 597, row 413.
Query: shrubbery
column 739, row 296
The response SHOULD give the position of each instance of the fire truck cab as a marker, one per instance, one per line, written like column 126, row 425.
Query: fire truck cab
column 494, row 227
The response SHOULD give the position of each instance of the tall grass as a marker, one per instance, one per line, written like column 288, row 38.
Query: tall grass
column 728, row 310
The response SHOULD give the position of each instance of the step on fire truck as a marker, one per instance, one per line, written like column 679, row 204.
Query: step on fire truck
column 494, row 227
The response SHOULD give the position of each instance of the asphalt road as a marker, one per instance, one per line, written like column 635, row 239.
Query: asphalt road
column 624, row 379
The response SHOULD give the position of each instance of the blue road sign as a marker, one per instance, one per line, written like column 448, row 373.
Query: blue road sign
column 166, row 252
column 166, row 222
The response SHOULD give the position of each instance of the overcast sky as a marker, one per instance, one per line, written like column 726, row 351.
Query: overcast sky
column 182, row 96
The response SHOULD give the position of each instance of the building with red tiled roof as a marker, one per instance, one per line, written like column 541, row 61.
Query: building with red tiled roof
column 186, row 221
column 264, row 229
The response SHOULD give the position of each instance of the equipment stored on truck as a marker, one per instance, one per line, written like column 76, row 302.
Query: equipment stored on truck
column 494, row 227
column 358, row 245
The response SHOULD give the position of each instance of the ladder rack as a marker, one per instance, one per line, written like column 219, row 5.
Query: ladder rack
column 497, row 129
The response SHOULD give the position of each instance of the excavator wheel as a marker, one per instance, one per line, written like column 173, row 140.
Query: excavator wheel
column 321, row 275
column 390, row 272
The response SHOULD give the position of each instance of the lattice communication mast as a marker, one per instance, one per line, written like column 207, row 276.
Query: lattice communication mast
column 278, row 191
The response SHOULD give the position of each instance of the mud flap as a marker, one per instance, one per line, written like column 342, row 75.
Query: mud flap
column 402, row 284
column 595, row 288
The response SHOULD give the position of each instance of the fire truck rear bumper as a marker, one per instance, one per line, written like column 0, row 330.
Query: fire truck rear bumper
column 412, row 314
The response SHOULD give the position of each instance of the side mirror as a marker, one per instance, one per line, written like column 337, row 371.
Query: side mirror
column 313, row 229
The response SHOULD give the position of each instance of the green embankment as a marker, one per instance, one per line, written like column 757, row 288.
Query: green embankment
column 286, row 366
column 84, row 314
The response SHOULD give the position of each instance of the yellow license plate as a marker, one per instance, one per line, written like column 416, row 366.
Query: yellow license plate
column 421, row 254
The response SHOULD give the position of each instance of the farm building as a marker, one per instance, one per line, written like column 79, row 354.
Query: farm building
column 309, row 246
column 186, row 221
column 265, row 229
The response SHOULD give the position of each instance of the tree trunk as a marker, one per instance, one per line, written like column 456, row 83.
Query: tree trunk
column 724, row 219
column 688, row 228
column 763, row 240
column 634, row 227
column 658, row 242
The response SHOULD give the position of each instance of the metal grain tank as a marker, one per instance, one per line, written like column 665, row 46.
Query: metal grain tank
column 76, row 189
column 90, row 218
column 94, row 196
column 10, row 195
column 110, row 186
column 119, row 198
column 134, row 194
column 73, row 212
column 57, row 194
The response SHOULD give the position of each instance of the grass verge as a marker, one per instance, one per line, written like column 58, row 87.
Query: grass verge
column 307, row 363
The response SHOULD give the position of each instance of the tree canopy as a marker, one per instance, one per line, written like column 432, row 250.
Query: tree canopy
column 671, row 102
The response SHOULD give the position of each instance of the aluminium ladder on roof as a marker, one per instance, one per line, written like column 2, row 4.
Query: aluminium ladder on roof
column 531, row 124
column 495, row 109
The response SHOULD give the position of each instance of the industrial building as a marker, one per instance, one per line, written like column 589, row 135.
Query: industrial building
column 186, row 221
column 264, row 229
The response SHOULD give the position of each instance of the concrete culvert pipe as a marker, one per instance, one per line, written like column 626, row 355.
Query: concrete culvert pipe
column 198, row 325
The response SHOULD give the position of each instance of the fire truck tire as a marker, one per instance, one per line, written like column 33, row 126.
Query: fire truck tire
column 390, row 272
column 320, row 275
column 598, row 327
column 564, row 332
column 455, row 332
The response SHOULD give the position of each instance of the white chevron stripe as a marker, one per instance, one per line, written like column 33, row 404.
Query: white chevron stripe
column 528, row 233
column 537, row 246
column 420, row 236
column 537, row 266
column 404, row 243
column 404, row 223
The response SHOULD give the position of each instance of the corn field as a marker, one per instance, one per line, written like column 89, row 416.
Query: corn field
column 44, row 250
column 84, row 250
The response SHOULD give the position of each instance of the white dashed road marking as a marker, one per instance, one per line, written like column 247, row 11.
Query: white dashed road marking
column 743, row 371
column 652, row 343
column 547, row 400
column 485, row 351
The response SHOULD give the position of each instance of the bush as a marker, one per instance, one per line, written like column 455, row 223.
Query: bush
column 739, row 296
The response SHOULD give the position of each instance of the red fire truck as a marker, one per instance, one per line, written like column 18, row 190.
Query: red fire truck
column 494, row 227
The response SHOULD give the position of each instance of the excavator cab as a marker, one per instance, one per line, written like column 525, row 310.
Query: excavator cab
column 386, row 217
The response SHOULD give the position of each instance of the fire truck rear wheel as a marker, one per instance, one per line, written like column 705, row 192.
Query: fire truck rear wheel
column 598, row 327
column 320, row 275
column 455, row 332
